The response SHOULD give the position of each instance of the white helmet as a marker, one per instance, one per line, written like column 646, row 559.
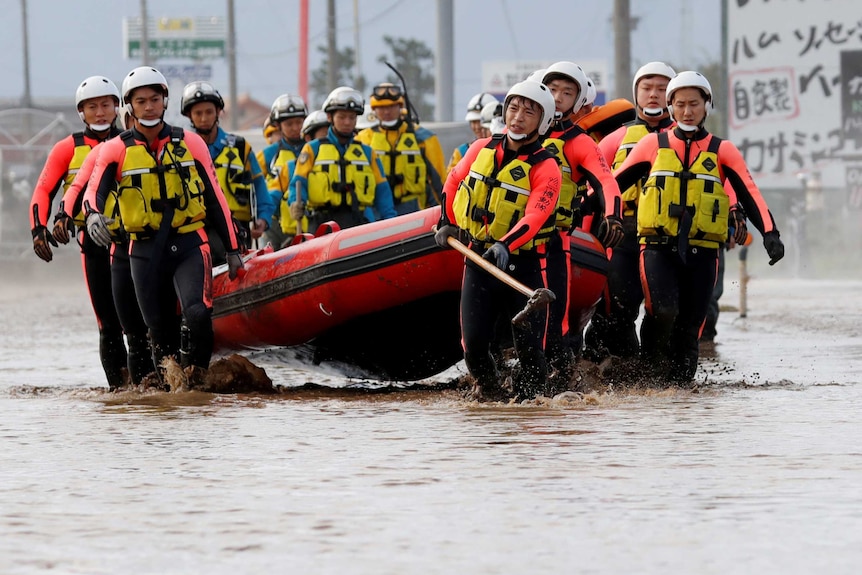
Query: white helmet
column 591, row 92
column 368, row 119
column 536, row 75
column 538, row 93
column 287, row 106
column 475, row 105
column 492, row 117
column 313, row 121
column 140, row 77
column 690, row 79
column 573, row 72
column 650, row 69
column 96, row 87
column 344, row 98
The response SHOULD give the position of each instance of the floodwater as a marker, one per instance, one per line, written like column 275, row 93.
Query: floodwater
column 757, row 471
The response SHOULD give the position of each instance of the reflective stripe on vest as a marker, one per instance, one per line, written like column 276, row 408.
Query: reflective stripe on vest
column 660, row 207
column 339, row 181
column 491, row 200
column 148, row 187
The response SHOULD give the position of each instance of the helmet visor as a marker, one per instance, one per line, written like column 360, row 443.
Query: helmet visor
column 391, row 92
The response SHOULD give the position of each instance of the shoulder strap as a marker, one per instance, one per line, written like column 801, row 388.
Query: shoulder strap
column 128, row 139
column 714, row 144
column 540, row 155
column 663, row 140
column 239, row 143
column 78, row 138
column 495, row 140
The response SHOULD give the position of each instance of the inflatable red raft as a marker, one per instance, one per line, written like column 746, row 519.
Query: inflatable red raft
column 381, row 296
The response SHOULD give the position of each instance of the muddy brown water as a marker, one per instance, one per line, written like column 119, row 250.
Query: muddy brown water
column 758, row 471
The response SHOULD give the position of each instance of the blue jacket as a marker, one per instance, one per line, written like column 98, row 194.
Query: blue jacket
column 265, row 207
column 383, row 201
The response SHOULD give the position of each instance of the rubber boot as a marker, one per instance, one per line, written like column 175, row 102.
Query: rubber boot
column 140, row 357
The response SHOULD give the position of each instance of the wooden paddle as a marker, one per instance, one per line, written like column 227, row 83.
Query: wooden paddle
column 538, row 297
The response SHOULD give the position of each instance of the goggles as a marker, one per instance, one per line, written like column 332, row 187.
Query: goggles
column 392, row 92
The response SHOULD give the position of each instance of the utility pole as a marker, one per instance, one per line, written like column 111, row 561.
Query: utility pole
column 622, row 48
column 145, row 34
column 356, row 46
column 231, row 67
column 26, row 100
column 331, row 49
column 303, row 50
column 444, row 63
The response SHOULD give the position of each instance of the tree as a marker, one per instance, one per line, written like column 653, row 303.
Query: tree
column 345, row 61
column 415, row 61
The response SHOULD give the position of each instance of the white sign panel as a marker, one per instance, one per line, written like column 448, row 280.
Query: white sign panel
column 785, row 81
column 499, row 75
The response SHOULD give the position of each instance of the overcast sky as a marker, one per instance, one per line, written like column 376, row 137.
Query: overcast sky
column 73, row 39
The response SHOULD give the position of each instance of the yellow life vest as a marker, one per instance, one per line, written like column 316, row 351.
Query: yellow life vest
column 569, row 205
column 234, row 179
column 147, row 188
column 671, row 190
column 634, row 133
column 403, row 164
column 336, row 180
column 82, row 149
column 276, row 176
column 491, row 199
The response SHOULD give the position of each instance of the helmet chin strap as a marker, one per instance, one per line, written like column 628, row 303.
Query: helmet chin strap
column 99, row 127
column 686, row 127
column 653, row 112
column 150, row 123
column 391, row 124
column 203, row 132
column 521, row 137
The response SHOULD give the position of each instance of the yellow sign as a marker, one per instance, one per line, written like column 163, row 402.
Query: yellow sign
column 176, row 24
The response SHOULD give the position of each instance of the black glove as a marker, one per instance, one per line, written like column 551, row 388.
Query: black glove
column 62, row 225
column 443, row 232
column 499, row 254
column 234, row 264
column 41, row 239
column 739, row 227
column 611, row 232
column 774, row 246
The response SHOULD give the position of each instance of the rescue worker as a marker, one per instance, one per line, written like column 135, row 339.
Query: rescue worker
column 239, row 175
column 612, row 329
column 97, row 100
column 368, row 119
column 684, row 211
column 315, row 126
column 474, row 119
column 492, row 118
column 270, row 133
column 580, row 161
column 337, row 178
column 139, row 359
column 288, row 111
column 503, row 196
column 411, row 155
column 166, row 187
